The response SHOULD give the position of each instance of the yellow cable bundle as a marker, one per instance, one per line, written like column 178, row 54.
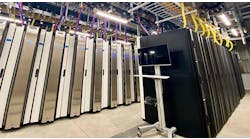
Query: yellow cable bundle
column 33, row 22
column 220, row 37
column 183, row 14
column 194, row 20
column 208, row 30
column 221, row 40
column 231, row 45
column 202, row 26
column 213, row 30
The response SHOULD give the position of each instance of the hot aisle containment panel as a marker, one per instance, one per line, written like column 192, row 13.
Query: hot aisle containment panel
column 52, row 86
column 21, row 80
column 9, row 72
column 189, row 105
column 78, row 65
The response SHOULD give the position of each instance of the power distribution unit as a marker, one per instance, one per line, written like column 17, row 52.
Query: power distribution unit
column 202, row 91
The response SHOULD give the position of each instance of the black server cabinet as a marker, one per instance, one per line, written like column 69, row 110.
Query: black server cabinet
column 238, row 75
column 201, row 93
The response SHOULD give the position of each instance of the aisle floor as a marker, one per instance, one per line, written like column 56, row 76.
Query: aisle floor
column 122, row 122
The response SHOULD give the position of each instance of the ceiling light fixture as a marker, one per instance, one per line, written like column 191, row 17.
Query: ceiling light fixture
column 225, row 19
column 79, row 33
column 111, row 17
column 123, row 42
column 10, row 19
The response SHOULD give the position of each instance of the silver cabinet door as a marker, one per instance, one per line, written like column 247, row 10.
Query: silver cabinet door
column 113, row 76
column 97, row 93
column 78, row 76
column 20, row 83
column 53, row 78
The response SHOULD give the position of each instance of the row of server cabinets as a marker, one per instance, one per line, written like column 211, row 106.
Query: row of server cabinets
column 204, row 88
column 47, row 75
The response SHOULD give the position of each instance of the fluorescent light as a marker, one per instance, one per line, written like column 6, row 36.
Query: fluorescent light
column 78, row 33
column 111, row 17
column 234, row 32
column 10, row 19
column 225, row 19
column 122, row 42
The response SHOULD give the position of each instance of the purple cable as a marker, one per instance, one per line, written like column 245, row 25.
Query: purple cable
column 78, row 19
column 125, row 33
column 20, row 11
column 92, row 25
column 139, row 21
column 105, row 29
column 116, row 31
column 61, row 17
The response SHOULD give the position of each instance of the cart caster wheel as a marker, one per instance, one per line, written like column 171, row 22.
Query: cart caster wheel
column 139, row 134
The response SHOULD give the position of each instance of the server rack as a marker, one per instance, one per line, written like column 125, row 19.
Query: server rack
column 33, row 82
column 66, row 77
column 9, row 72
column 195, row 95
column 238, row 75
column 120, row 76
column 78, row 76
column 127, row 74
column 105, row 75
column 62, row 76
column 86, row 105
column 21, row 80
column 42, row 78
column 52, row 86
column 97, row 91
column 113, row 76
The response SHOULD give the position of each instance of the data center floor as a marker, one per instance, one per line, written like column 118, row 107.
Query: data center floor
column 123, row 122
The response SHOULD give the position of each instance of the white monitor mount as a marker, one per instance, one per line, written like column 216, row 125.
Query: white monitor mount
column 161, row 124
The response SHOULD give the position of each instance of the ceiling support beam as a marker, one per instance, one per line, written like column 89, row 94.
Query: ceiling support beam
column 138, row 7
column 173, row 17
